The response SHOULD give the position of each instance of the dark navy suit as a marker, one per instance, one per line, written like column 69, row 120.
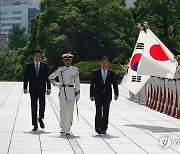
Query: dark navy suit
column 37, row 88
column 102, row 92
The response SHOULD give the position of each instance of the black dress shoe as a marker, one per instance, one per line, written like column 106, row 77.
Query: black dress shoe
column 41, row 123
column 98, row 130
column 35, row 128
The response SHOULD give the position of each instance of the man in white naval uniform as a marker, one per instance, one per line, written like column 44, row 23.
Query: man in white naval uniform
column 69, row 91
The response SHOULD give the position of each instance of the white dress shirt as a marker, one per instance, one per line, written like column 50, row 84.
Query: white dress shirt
column 102, row 71
column 37, row 63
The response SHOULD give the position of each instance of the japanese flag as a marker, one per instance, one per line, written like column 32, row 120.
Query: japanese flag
column 157, row 59
column 132, row 81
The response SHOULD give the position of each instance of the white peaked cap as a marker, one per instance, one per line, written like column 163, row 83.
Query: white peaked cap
column 67, row 55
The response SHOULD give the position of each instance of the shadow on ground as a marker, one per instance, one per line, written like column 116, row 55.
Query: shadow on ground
column 36, row 133
column 155, row 129
column 106, row 136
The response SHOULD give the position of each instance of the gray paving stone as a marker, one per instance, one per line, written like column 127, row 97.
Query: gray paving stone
column 12, row 151
column 4, row 145
column 133, row 128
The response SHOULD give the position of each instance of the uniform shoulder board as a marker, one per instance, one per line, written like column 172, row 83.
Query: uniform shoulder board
column 61, row 68
column 75, row 67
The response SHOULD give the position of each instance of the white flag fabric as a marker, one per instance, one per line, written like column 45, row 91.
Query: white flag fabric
column 132, row 81
column 157, row 59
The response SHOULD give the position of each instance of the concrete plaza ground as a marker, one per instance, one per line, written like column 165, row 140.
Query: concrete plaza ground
column 133, row 128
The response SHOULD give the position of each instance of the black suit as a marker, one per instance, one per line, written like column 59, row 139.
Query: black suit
column 37, row 88
column 102, row 92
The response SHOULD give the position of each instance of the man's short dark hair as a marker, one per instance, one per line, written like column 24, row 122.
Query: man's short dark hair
column 104, row 57
column 37, row 51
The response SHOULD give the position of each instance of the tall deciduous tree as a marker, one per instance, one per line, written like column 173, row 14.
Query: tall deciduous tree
column 163, row 17
column 87, row 28
column 17, row 37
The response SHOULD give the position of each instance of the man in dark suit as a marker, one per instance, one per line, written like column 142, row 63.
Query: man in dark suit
column 101, row 91
column 37, row 74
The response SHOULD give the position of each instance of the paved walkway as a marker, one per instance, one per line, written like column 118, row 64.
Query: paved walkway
column 133, row 128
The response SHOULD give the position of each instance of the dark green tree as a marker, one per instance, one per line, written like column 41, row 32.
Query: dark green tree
column 17, row 37
column 163, row 17
column 9, row 68
column 87, row 28
column 3, row 63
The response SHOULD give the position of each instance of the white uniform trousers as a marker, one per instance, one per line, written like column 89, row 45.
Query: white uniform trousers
column 66, row 113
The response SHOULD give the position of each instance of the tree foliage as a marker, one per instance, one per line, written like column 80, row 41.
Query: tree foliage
column 163, row 17
column 86, row 68
column 87, row 28
column 17, row 37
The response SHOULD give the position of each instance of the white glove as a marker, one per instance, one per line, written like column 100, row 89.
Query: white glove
column 56, row 84
column 77, row 97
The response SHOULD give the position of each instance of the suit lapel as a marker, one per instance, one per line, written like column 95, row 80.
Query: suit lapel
column 107, row 77
column 33, row 68
column 41, row 66
column 100, row 76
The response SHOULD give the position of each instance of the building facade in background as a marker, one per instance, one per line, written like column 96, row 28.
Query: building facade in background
column 17, row 12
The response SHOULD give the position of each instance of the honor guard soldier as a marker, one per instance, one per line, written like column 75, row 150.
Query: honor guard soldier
column 69, row 91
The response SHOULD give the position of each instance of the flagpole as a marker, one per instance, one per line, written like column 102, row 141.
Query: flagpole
column 140, row 28
column 146, row 26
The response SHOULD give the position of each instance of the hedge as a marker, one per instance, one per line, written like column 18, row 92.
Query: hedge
column 86, row 68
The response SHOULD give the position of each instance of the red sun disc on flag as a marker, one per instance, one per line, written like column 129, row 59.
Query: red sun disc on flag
column 158, row 53
column 135, row 61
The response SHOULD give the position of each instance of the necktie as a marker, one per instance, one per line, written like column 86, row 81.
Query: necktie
column 104, row 76
column 37, row 69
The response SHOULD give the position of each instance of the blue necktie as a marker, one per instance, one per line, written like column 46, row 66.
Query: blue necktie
column 37, row 69
column 104, row 76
